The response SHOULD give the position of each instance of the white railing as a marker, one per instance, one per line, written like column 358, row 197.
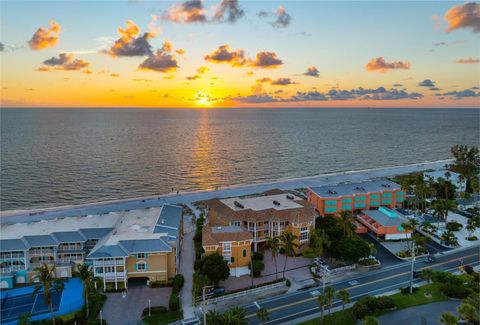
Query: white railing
column 111, row 275
column 246, row 292
column 38, row 251
column 12, row 268
column 107, row 263
column 7, row 256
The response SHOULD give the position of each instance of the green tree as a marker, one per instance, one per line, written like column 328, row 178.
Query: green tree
column 441, row 208
column 262, row 315
column 48, row 283
column 86, row 276
column 468, row 312
column 288, row 245
column 24, row 319
column 346, row 221
column 319, row 242
column 448, row 319
column 470, row 227
column 467, row 163
column 235, row 316
column 322, row 301
column 344, row 296
column 350, row 249
column 371, row 248
column 273, row 243
column 213, row 317
column 449, row 238
column 371, row 320
column 329, row 295
column 215, row 267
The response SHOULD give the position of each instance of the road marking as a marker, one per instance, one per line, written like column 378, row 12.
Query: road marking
column 367, row 283
column 354, row 282
column 256, row 304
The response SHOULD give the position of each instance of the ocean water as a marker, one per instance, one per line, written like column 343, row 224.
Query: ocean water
column 68, row 156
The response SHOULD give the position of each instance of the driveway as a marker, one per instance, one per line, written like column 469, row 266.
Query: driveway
column 384, row 255
column 424, row 314
column 186, row 265
column 122, row 311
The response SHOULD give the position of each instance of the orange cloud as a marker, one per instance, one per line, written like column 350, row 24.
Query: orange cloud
column 379, row 64
column 130, row 44
column 202, row 69
column 186, row 12
column 266, row 60
column 161, row 61
column 465, row 16
column 468, row 61
column 45, row 38
column 312, row 72
column 64, row 61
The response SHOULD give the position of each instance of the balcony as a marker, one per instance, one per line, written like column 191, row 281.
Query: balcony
column 38, row 251
column 12, row 256
column 38, row 264
column 111, row 275
column 13, row 268
column 108, row 263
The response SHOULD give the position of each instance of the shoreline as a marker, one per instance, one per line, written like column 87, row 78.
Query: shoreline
column 229, row 191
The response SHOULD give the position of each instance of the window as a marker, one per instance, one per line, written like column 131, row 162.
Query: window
column 141, row 266
column 232, row 259
column 244, row 253
column 303, row 234
column 141, row 256
column 226, row 248
column 236, row 223
column 331, row 202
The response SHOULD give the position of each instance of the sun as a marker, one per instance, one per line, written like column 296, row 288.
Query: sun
column 203, row 99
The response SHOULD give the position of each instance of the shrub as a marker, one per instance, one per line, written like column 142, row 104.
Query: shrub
column 160, row 284
column 454, row 226
column 174, row 302
column 258, row 267
column 178, row 282
column 468, row 269
column 370, row 305
column 154, row 310
column 472, row 238
column 257, row 256
column 288, row 283
column 454, row 291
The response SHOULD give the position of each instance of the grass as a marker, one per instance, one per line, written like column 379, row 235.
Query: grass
column 163, row 317
column 308, row 253
column 401, row 300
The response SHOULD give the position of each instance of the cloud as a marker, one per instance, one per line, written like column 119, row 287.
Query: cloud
column 266, row 60
column 281, row 18
column 45, row 38
column 180, row 51
column 202, row 69
column 195, row 77
column 2, row 47
column 379, row 64
column 397, row 85
column 282, row 82
column 426, row 83
column 229, row 11
column 224, row 54
column 468, row 61
column 312, row 72
column 255, row 99
column 130, row 43
column 161, row 61
column 312, row 95
column 186, row 12
column 440, row 44
column 64, row 61
column 461, row 94
column 465, row 16
column 115, row 75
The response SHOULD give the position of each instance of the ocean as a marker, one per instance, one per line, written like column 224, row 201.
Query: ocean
column 52, row 157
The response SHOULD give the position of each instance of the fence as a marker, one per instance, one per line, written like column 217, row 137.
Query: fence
column 241, row 293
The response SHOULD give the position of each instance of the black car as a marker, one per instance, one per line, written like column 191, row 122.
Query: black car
column 216, row 291
column 429, row 259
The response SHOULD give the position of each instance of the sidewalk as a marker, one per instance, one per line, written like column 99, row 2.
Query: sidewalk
column 186, row 267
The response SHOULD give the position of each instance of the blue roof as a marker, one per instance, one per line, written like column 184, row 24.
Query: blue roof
column 69, row 237
column 108, row 251
column 359, row 188
column 40, row 240
column 9, row 245
column 169, row 220
column 145, row 246
column 95, row 233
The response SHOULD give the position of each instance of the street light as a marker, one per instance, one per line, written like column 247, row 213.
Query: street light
column 413, row 265
column 205, row 304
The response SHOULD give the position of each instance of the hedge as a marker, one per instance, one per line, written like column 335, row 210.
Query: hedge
column 371, row 305
column 174, row 301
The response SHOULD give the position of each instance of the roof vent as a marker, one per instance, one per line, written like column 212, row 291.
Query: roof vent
column 238, row 204
column 162, row 221
column 290, row 197
column 275, row 202
column 219, row 228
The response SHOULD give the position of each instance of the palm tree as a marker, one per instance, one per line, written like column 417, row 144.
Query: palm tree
column 262, row 314
column 468, row 312
column 86, row 276
column 329, row 295
column 448, row 319
column 344, row 296
column 427, row 274
column 407, row 227
column 371, row 320
column 24, row 319
column 441, row 208
column 319, row 241
column 48, row 282
column 346, row 222
column 449, row 238
column 273, row 243
column 470, row 227
column 321, row 301
column 235, row 316
column 288, row 245
column 371, row 248
column 213, row 317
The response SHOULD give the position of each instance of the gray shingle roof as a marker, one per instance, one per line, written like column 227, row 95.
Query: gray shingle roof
column 145, row 246
column 69, row 237
column 40, row 241
column 349, row 189
column 9, row 245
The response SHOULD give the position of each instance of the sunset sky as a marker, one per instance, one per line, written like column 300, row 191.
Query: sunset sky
column 239, row 54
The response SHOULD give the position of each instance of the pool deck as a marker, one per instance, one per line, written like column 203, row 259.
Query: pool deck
column 15, row 216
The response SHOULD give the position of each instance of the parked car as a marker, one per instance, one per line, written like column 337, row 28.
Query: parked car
column 216, row 291
column 429, row 259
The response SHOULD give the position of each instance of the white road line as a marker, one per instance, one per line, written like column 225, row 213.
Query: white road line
column 256, row 304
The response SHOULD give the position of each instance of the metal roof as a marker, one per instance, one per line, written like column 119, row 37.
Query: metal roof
column 69, row 237
column 385, row 217
column 108, row 251
column 40, row 241
column 169, row 220
column 350, row 189
column 10, row 245
column 95, row 233
column 145, row 246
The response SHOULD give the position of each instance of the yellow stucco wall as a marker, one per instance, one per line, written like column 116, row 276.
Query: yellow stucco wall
column 237, row 249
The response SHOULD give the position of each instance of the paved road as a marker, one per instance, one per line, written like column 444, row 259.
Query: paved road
column 188, row 197
column 424, row 314
column 289, row 307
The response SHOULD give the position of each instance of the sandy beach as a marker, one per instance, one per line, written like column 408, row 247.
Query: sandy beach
column 238, row 190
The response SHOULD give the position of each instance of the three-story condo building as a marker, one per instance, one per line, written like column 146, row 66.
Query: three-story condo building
column 121, row 245
column 334, row 199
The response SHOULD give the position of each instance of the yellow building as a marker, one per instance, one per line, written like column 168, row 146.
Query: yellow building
column 267, row 215
column 232, row 242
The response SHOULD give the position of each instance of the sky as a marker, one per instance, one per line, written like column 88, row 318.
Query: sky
column 230, row 53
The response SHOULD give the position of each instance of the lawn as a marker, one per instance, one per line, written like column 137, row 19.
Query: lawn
column 401, row 300
column 161, row 317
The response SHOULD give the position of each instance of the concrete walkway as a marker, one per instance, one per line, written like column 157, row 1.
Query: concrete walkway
column 186, row 266
column 423, row 314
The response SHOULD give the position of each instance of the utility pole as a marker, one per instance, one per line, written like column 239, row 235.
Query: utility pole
column 205, row 304
column 413, row 265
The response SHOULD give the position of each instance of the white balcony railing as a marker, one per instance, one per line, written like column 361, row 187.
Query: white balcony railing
column 108, row 263
column 111, row 275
